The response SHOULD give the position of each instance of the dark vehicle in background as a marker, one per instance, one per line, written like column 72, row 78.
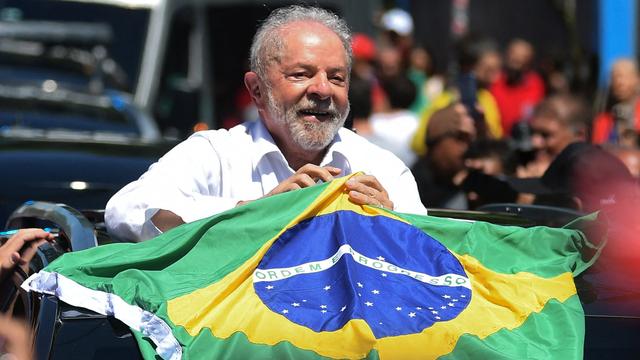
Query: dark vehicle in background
column 69, row 130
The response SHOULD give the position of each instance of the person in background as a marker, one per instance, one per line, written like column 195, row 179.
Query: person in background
column 621, row 123
column 365, row 54
column 451, row 131
column 555, row 123
column 493, row 157
column 630, row 156
column 479, row 63
column 299, row 81
column 429, row 84
column 15, row 339
column 397, row 32
column 361, row 107
column 20, row 248
column 393, row 128
column 583, row 177
column 519, row 88
column 17, row 251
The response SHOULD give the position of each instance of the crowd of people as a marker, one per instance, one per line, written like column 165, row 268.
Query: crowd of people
column 492, row 114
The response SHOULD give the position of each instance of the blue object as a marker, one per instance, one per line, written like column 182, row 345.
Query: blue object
column 9, row 233
column 617, row 34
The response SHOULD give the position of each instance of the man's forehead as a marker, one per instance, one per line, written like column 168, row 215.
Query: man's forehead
column 299, row 35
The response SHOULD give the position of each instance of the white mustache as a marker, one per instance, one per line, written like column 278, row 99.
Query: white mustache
column 313, row 106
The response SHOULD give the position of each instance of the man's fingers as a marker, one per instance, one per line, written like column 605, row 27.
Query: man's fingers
column 319, row 173
column 361, row 199
column 370, row 190
column 333, row 170
column 303, row 180
column 367, row 180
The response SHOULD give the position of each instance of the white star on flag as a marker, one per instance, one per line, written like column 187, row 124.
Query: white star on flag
column 380, row 258
column 323, row 311
column 454, row 300
column 327, row 287
column 269, row 287
column 434, row 312
column 398, row 308
column 443, row 307
column 376, row 292
column 437, row 317
column 384, row 275
column 463, row 296
column 360, row 285
column 295, row 304
column 369, row 303
column 343, row 308
column 446, row 296
column 418, row 308
column 285, row 311
column 451, row 304
column 412, row 314
column 323, row 306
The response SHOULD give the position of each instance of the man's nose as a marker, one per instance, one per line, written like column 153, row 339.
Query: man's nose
column 320, row 87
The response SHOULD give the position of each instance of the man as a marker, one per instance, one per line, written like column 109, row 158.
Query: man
column 518, row 89
column 450, row 132
column 621, row 124
column 299, row 79
column 555, row 123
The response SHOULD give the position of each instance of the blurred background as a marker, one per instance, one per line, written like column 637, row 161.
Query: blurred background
column 93, row 91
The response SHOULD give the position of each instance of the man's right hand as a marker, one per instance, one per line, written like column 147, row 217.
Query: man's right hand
column 306, row 176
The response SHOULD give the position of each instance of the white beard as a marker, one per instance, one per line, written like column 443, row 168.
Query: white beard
column 311, row 136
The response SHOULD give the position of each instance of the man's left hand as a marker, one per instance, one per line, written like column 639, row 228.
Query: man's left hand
column 367, row 190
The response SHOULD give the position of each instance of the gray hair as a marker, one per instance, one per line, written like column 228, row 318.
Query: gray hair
column 267, row 44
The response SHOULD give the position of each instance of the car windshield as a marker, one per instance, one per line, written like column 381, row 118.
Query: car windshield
column 114, row 30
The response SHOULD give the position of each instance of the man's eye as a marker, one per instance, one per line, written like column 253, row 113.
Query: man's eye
column 299, row 75
column 338, row 80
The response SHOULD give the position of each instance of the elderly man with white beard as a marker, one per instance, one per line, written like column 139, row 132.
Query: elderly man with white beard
column 299, row 79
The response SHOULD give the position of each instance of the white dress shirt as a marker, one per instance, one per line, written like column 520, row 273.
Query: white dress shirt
column 212, row 171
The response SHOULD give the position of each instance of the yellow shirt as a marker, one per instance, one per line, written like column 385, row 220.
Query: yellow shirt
column 486, row 102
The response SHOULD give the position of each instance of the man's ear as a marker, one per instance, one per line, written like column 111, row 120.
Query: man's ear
column 255, row 87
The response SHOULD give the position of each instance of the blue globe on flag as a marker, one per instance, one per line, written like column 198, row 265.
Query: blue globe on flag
column 322, row 279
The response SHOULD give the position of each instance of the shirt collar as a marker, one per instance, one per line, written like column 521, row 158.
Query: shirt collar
column 336, row 155
column 264, row 143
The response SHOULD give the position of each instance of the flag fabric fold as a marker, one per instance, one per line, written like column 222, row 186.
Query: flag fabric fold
column 308, row 274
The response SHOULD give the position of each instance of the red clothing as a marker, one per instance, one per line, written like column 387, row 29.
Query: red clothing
column 517, row 102
column 603, row 125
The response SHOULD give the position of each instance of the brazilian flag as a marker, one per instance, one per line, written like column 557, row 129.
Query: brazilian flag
column 308, row 274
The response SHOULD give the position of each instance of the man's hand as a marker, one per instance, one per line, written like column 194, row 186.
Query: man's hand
column 14, row 252
column 306, row 176
column 166, row 220
column 366, row 190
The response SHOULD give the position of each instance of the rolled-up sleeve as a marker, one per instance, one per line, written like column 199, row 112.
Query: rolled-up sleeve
column 185, row 181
